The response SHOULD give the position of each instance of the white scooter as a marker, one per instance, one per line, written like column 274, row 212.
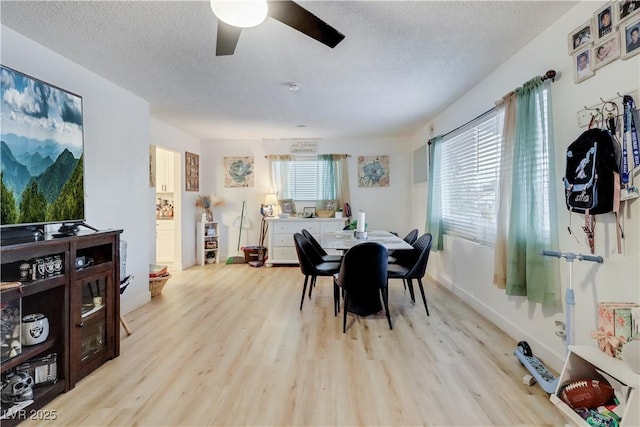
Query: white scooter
column 523, row 352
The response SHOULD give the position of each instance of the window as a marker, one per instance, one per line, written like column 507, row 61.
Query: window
column 304, row 179
column 470, row 167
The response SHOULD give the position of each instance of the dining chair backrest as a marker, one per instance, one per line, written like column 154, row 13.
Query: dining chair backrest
column 422, row 247
column 307, row 255
column 411, row 236
column 364, row 266
column 314, row 242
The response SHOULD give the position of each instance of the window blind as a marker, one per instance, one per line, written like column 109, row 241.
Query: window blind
column 307, row 179
column 469, row 182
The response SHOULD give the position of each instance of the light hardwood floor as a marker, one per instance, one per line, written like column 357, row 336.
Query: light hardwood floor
column 226, row 345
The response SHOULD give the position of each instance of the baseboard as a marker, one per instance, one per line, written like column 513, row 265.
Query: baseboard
column 541, row 351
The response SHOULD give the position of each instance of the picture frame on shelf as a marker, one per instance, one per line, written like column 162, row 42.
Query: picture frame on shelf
column 606, row 51
column 309, row 211
column 192, row 171
column 630, row 38
column 627, row 9
column 329, row 205
column 605, row 21
column 583, row 64
column 581, row 36
column 287, row 206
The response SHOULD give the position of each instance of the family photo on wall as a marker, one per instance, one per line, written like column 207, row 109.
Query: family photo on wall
column 612, row 32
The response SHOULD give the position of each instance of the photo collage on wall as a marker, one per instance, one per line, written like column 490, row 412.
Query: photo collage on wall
column 612, row 32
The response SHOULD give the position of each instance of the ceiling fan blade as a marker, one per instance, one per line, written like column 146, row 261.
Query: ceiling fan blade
column 227, row 39
column 295, row 16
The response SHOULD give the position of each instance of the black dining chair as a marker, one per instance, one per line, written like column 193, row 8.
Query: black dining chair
column 414, row 266
column 311, row 264
column 363, row 279
column 410, row 238
column 325, row 256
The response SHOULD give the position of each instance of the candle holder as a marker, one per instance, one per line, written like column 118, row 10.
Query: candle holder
column 360, row 235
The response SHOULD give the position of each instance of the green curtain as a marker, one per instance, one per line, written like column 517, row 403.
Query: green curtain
column 434, row 202
column 326, row 177
column 531, row 228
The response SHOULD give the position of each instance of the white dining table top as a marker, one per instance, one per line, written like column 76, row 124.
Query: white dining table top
column 345, row 239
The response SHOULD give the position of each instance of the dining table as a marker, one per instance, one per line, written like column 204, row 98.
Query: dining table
column 345, row 239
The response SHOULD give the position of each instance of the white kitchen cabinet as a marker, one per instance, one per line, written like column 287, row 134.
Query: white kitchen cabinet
column 164, row 240
column 164, row 171
column 280, row 246
column 588, row 362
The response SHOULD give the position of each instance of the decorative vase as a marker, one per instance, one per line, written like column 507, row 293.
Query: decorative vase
column 209, row 214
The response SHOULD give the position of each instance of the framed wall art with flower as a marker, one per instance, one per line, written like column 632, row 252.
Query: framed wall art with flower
column 239, row 172
column 373, row 171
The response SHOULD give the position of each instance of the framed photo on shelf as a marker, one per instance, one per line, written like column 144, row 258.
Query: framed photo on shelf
column 287, row 206
column 627, row 9
column 630, row 37
column 581, row 36
column 604, row 21
column 309, row 212
column 606, row 51
column 191, row 171
column 583, row 65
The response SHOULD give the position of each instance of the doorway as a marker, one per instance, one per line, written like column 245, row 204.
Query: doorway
column 167, row 201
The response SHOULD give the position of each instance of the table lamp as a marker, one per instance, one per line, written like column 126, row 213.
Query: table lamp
column 270, row 201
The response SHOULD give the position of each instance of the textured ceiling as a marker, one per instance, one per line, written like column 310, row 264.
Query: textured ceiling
column 401, row 62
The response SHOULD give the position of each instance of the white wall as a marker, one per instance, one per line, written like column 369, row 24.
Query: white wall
column 116, row 140
column 386, row 207
column 467, row 268
column 175, row 140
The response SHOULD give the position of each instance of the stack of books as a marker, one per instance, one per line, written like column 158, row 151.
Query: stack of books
column 157, row 270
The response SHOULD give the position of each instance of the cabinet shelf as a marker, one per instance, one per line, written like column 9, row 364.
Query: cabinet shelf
column 91, row 313
column 33, row 287
column 28, row 352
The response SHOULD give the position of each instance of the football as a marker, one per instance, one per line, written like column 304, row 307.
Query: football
column 586, row 393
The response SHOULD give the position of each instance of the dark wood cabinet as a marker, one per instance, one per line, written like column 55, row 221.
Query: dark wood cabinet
column 80, row 299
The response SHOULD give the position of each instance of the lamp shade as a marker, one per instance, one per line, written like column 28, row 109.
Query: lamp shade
column 271, row 199
column 240, row 13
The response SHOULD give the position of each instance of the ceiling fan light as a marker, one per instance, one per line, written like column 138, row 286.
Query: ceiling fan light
column 240, row 13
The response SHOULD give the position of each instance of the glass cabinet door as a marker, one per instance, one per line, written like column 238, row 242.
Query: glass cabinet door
column 93, row 318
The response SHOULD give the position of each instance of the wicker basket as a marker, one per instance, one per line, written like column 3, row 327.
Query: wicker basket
column 157, row 283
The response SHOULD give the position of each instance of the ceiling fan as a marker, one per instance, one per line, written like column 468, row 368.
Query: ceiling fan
column 235, row 15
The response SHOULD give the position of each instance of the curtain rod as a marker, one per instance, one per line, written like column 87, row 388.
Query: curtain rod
column 307, row 155
column 551, row 74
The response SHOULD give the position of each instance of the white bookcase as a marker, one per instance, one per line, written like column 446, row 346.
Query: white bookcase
column 207, row 241
column 588, row 362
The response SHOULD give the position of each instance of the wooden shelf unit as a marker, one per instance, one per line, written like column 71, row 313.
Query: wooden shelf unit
column 60, row 298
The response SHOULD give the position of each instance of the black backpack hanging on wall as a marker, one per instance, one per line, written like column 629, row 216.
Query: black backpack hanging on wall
column 592, row 180
column 591, row 173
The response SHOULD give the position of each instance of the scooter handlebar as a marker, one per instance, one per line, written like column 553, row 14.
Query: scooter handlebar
column 570, row 256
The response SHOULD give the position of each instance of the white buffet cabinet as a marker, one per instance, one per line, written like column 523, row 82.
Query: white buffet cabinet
column 280, row 246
